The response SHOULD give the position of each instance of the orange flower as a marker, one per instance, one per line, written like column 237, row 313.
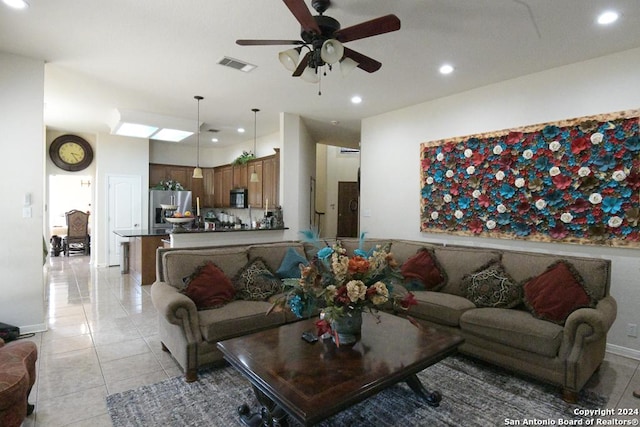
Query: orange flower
column 357, row 265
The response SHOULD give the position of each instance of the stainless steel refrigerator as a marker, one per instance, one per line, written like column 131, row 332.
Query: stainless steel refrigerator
column 182, row 199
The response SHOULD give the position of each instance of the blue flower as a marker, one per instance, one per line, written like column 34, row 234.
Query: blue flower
column 521, row 229
column 611, row 205
column 632, row 144
column 438, row 176
column 605, row 162
column 507, row 191
column 464, row 202
column 550, row 131
column 296, row 305
column 426, row 191
column 543, row 163
column 554, row 198
column 325, row 252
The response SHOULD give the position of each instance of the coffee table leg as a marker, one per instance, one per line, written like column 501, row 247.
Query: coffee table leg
column 270, row 415
column 433, row 398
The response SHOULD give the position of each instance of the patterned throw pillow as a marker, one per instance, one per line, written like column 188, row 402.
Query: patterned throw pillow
column 491, row 286
column 556, row 293
column 255, row 282
column 422, row 272
column 209, row 287
column 290, row 266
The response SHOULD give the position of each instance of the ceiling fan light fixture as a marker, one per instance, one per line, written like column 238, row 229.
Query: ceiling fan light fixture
column 332, row 51
column 310, row 75
column 347, row 65
column 290, row 58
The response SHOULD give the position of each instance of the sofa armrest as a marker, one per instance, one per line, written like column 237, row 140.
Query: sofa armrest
column 597, row 320
column 176, row 308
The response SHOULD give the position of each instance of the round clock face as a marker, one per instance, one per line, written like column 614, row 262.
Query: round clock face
column 71, row 153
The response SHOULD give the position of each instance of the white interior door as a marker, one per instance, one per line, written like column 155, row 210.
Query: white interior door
column 125, row 210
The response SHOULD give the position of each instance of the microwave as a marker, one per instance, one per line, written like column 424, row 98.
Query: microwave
column 239, row 198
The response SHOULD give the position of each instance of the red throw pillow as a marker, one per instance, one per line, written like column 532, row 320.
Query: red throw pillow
column 422, row 272
column 209, row 287
column 556, row 293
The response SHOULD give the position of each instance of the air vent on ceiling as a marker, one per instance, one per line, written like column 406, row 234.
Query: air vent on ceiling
column 214, row 130
column 236, row 64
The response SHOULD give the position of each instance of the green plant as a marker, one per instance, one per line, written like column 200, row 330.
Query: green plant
column 243, row 158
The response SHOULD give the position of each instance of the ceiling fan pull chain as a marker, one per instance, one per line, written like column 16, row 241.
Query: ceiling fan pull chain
column 319, row 84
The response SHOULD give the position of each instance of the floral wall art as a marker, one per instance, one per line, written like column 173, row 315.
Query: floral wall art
column 575, row 181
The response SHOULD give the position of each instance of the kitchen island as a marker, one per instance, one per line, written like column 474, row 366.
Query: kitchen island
column 143, row 244
column 225, row 237
column 142, row 252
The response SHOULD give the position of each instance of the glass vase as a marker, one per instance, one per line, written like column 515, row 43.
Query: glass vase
column 347, row 328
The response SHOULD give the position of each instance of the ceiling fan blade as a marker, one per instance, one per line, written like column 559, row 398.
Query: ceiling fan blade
column 302, row 65
column 384, row 24
column 303, row 15
column 365, row 63
column 267, row 42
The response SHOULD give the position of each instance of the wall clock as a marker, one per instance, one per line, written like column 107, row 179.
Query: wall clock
column 71, row 153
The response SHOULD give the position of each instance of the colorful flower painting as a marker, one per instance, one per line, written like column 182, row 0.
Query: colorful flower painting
column 576, row 181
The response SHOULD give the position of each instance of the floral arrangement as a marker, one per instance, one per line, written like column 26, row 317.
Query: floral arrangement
column 576, row 181
column 169, row 184
column 243, row 158
column 339, row 284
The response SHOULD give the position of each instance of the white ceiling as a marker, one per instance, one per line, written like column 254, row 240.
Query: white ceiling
column 155, row 55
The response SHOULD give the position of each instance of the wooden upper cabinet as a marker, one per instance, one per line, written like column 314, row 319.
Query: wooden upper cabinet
column 255, row 188
column 223, row 183
column 240, row 178
column 214, row 188
column 271, row 180
column 208, row 182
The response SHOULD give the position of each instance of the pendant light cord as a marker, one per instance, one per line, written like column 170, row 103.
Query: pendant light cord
column 198, row 98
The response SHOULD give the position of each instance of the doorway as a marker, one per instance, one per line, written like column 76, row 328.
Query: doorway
column 348, row 209
column 67, row 192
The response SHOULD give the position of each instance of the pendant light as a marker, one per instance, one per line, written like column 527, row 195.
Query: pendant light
column 197, row 171
column 254, row 174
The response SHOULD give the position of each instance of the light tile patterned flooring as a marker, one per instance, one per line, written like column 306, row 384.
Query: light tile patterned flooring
column 102, row 339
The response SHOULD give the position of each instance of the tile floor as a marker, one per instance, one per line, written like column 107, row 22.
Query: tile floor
column 102, row 339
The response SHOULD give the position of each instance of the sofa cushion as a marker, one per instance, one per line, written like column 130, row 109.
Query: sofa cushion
column 422, row 272
column 237, row 318
column 440, row 307
column 458, row 261
column 273, row 253
column 402, row 250
column 514, row 328
column 255, row 282
column 290, row 266
column 556, row 293
column 594, row 272
column 182, row 263
column 209, row 287
column 491, row 286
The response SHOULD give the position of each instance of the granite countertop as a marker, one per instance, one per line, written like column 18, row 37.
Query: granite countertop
column 167, row 231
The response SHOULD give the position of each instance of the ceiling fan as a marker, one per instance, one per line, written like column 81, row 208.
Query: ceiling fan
column 323, row 37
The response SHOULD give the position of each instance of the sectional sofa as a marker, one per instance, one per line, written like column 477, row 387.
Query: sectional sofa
column 536, row 314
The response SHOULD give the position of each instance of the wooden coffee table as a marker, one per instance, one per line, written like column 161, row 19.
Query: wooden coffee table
column 311, row 382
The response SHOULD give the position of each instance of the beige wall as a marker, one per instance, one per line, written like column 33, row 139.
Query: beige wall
column 390, row 192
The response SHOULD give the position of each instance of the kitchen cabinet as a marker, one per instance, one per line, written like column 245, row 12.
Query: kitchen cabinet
column 223, row 182
column 208, row 184
column 271, row 180
column 255, row 188
column 240, row 176
column 184, row 175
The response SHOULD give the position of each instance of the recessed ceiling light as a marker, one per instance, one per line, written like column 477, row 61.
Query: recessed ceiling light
column 16, row 4
column 214, row 139
column 240, row 130
column 356, row 99
column 608, row 17
column 446, row 69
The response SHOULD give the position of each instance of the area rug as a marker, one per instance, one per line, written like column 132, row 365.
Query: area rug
column 474, row 394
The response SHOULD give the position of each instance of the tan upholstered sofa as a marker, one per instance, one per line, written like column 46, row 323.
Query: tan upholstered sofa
column 564, row 354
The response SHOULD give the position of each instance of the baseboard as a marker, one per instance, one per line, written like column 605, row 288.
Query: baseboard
column 623, row 351
column 31, row 329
